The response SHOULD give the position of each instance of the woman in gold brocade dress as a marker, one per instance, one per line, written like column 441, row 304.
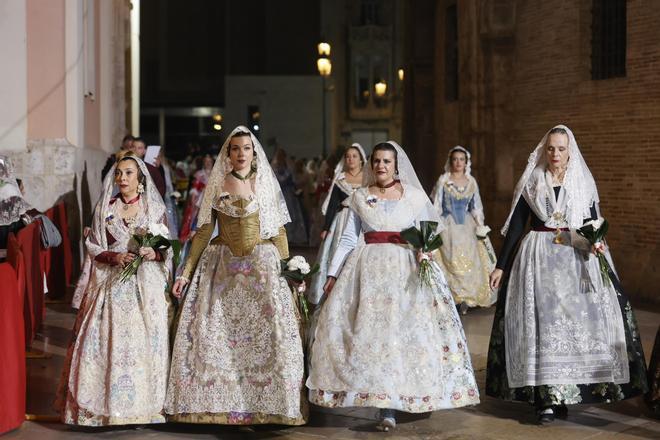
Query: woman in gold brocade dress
column 238, row 356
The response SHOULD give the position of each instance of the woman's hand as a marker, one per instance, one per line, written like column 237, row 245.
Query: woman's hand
column 123, row 259
column 149, row 254
column 179, row 285
column 421, row 256
column 598, row 248
column 496, row 279
column 324, row 234
column 329, row 284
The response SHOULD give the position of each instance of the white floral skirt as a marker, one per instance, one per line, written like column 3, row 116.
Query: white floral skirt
column 384, row 340
column 116, row 368
column 238, row 355
column 467, row 263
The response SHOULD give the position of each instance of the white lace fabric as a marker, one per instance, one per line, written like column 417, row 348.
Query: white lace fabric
column 579, row 187
column 12, row 204
column 117, row 365
column 414, row 197
column 382, row 338
column 273, row 212
column 562, row 324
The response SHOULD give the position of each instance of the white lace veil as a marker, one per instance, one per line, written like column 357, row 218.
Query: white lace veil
column 468, row 163
column 339, row 174
column 151, row 201
column 273, row 212
column 579, row 187
column 12, row 203
column 412, row 188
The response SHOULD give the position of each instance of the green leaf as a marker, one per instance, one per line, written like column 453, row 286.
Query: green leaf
column 413, row 236
column 604, row 228
column 176, row 252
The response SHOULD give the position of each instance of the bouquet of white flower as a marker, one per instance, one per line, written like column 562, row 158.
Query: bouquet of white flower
column 426, row 239
column 594, row 231
column 298, row 269
column 155, row 236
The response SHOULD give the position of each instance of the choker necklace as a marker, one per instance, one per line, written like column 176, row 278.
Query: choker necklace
column 130, row 202
column 241, row 178
column 382, row 188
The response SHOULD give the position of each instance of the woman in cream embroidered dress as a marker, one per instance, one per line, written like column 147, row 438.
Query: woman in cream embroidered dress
column 561, row 335
column 116, row 368
column 238, row 355
column 467, row 257
column 347, row 178
column 383, row 338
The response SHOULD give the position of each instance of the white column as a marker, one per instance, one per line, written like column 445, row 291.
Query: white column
column 75, row 72
column 135, row 68
column 13, row 76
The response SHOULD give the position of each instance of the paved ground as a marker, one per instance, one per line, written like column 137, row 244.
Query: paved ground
column 492, row 419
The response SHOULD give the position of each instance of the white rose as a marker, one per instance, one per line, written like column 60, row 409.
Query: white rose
column 304, row 268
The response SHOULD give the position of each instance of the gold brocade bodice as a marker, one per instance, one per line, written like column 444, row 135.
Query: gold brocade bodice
column 241, row 233
column 239, row 230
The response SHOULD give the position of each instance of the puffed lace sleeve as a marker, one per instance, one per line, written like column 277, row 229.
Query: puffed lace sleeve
column 347, row 243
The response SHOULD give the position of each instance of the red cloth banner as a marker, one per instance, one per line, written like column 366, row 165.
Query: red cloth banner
column 12, row 354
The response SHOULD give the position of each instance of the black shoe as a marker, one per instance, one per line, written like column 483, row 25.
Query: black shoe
column 546, row 416
column 561, row 411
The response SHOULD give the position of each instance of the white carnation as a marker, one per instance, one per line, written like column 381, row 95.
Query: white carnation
column 304, row 268
column 297, row 263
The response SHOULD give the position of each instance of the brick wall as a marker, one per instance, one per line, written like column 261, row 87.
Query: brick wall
column 524, row 67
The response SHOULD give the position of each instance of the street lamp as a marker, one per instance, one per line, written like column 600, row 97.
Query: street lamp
column 380, row 88
column 324, row 66
column 324, row 49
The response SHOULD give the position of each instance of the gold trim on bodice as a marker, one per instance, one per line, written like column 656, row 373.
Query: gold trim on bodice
column 239, row 230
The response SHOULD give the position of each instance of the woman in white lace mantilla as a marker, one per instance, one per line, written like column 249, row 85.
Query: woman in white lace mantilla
column 467, row 257
column 383, row 338
column 238, row 355
column 116, row 368
column 561, row 335
column 348, row 177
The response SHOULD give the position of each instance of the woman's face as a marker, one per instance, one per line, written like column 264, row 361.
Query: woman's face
column 352, row 159
column 208, row 163
column 458, row 162
column 127, row 177
column 383, row 164
column 241, row 152
column 556, row 151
